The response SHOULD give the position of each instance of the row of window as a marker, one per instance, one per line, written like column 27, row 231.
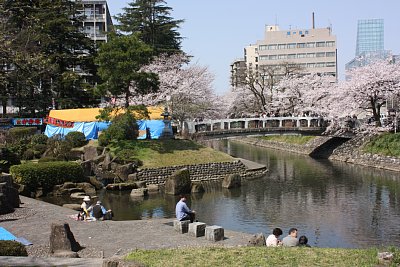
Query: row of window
column 305, row 65
column 299, row 55
column 296, row 45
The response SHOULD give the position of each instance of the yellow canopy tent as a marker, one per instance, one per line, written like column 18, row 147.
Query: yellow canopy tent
column 89, row 114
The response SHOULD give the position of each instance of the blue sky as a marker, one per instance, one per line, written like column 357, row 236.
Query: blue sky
column 216, row 31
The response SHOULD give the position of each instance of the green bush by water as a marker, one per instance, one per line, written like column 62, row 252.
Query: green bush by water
column 47, row 174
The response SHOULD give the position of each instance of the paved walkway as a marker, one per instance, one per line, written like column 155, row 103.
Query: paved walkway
column 103, row 239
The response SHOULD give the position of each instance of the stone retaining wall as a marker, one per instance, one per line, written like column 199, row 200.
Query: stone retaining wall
column 350, row 152
column 301, row 149
column 199, row 172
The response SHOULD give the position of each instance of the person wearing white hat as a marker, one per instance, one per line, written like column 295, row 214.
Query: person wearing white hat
column 83, row 214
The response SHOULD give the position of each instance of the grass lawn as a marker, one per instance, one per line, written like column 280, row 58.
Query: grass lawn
column 162, row 153
column 387, row 144
column 260, row 256
column 291, row 139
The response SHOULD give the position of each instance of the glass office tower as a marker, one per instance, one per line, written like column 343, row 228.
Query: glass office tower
column 370, row 36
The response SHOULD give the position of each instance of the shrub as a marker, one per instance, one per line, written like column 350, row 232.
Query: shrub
column 123, row 127
column 12, row 248
column 47, row 174
column 58, row 148
column 47, row 159
column 126, row 156
column 21, row 133
column 29, row 154
column 76, row 139
column 39, row 139
column 39, row 149
column 7, row 159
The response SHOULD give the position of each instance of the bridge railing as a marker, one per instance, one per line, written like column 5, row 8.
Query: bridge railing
column 254, row 123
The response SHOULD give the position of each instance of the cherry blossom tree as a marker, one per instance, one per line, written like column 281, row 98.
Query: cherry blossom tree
column 370, row 86
column 304, row 94
column 185, row 88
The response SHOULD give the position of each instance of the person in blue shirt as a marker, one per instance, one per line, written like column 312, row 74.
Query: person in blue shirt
column 183, row 212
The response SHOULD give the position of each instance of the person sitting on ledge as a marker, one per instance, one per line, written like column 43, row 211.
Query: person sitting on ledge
column 272, row 240
column 303, row 241
column 291, row 239
column 98, row 212
column 83, row 212
column 183, row 212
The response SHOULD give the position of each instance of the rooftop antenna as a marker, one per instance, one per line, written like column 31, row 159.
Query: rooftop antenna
column 313, row 21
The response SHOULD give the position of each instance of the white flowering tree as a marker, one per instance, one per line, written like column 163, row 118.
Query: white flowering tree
column 370, row 86
column 185, row 88
column 304, row 94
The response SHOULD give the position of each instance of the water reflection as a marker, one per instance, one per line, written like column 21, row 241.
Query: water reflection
column 334, row 204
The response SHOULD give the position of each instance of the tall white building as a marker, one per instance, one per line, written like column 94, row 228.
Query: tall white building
column 97, row 19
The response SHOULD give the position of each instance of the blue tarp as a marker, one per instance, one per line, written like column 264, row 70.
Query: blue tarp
column 6, row 235
column 155, row 126
column 91, row 129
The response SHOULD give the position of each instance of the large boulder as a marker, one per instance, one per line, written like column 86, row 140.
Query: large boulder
column 139, row 193
column 87, row 167
column 178, row 183
column 62, row 239
column 232, row 181
column 123, row 171
column 257, row 240
column 90, row 152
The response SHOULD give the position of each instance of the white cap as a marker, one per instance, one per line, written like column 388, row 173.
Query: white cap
column 86, row 198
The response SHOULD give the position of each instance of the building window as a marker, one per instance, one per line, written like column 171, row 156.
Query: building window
column 294, row 32
column 288, row 33
column 262, row 47
column 281, row 46
column 301, row 45
column 311, row 55
column 256, row 59
column 272, row 57
column 320, row 54
column 330, row 64
column 300, row 32
column 311, row 65
column 272, row 47
column 282, row 56
column 291, row 56
column 320, row 44
column 301, row 55
column 330, row 43
column 330, row 54
column 306, row 32
column 320, row 64
column 263, row 58
column 311, row 44
column 291, row 46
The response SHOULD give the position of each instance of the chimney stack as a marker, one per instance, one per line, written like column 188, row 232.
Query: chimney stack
column 313, row 21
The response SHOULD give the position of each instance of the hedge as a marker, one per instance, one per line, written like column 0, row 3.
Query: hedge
column 47, row 174
column 12, row 248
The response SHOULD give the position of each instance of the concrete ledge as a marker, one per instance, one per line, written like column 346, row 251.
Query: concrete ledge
column 34, row 261
column 214, row 233
column 181, row 226
column 197, row 229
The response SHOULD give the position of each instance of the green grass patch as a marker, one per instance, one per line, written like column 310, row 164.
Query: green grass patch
column 162, row 153
column 291, row 139
column 387, row 144
column 260, row 256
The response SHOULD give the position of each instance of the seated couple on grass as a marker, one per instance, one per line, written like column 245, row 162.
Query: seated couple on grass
column 288, row 241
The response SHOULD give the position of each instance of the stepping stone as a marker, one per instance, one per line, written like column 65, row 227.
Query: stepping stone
column 214, row 233
column 197, row 229
column 181, row 226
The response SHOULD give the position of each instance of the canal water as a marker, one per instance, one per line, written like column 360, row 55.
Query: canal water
column 334, row 204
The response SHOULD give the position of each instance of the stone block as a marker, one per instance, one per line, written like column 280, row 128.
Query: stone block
column 197, row 229
column 181, row 226
column 62, row 239
column 214, row 233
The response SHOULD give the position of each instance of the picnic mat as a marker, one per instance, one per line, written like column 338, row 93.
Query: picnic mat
column 6, row 235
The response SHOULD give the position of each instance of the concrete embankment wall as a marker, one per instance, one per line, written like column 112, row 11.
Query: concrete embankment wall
column 199, row 172
column 350, row 151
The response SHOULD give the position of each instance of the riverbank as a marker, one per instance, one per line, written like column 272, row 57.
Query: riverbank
column 349, row 152
column 102, row 238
